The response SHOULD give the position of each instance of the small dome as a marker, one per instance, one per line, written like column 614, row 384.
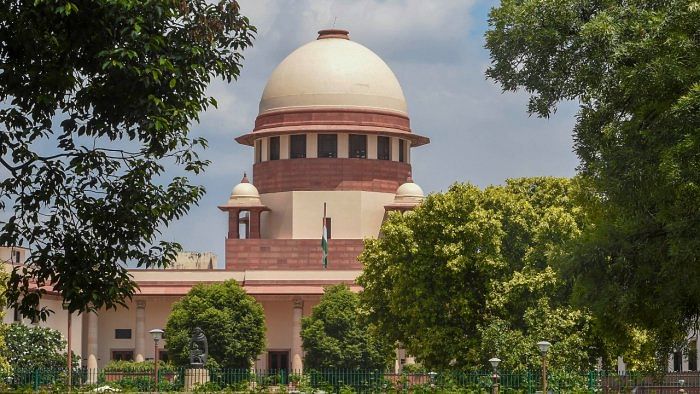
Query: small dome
column 333, row 72
column 409, row 192
column 244, row 194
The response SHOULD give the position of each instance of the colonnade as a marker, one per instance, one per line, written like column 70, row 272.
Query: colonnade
column 140, row 332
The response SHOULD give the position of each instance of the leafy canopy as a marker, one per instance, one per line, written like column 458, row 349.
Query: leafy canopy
column 233, row 322
column 634, row 69
column 337, row 334
column 97, row 96
column 471, row 274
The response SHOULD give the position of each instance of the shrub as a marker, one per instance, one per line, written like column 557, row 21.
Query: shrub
column 29, row 348
column 233, row 322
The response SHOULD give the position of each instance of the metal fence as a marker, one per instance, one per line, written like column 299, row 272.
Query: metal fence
column 359, row 381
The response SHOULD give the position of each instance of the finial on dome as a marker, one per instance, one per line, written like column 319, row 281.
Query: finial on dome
column 245, row 178
column 333, row 33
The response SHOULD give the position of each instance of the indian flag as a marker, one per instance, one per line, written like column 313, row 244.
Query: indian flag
column 324, row 239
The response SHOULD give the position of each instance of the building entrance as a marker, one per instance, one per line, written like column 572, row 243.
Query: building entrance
column 278, row 360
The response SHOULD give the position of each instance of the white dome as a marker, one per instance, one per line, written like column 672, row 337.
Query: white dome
column 409, row 192
column 244, row 194
column 244, row 190
column 333, row 72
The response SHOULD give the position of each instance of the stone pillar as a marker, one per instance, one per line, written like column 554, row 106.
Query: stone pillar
column 621, row 365
column 397, row 360
column 139, row 335
column 297, row 363
column 670, row 363
column 254, row 223
column 233, row 224
column 92, row 348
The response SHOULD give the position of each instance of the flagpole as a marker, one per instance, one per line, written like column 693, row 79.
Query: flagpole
column 324, row 240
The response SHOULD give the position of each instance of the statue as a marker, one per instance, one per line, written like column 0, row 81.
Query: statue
column 199, row 350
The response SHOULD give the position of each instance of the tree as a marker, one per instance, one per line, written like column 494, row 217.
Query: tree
column 336, row 334
column 30, row 348
column 233, row 322
column 98, row 96
column 634, row 69
column 471, row 274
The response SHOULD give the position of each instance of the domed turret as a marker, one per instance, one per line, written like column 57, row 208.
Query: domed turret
column 409, row 192
column 244, row 208
column 244, row 194
column 407, row 197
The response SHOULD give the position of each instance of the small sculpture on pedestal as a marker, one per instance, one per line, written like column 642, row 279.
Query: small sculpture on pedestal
column 199, row 350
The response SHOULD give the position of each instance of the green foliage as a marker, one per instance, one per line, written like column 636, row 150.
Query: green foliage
column 337, row 335
column 233, row 322
column 5, row 368
column 143, row 366
column 30, row 348
column 138, row 376
column 471, row 274
column 634, row 69
column 97, row 97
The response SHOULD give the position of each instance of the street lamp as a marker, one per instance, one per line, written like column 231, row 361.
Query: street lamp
column 157, row 335
column 494, row 363
column 544, row 347
column 432, row 378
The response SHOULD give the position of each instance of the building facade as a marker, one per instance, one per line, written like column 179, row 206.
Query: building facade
column 331, row 146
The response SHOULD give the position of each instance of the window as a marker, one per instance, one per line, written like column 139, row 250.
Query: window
column 402, row 153
column 677, row 361
column 17, row 256
column 328, row 228
column 274, row 148
column 297, row 146
column 258, row 151
column 17, row 316
column 383, row 148
column 327, row 145
column 358, row 146
column 123, row 355
column 122, row 333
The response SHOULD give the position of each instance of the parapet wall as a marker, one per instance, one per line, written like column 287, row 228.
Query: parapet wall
column 291, row 254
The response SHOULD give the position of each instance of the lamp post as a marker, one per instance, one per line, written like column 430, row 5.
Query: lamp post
column 432, row 379
column 544, row 347
column 494, row 363
column 157, row 335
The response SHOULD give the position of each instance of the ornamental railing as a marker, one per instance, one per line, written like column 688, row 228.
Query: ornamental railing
column 171, row 379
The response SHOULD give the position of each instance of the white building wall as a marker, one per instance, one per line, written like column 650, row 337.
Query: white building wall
column 156, row 312
column 298, row 215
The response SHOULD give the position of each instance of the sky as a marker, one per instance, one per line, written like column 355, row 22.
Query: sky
column 436, row 49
